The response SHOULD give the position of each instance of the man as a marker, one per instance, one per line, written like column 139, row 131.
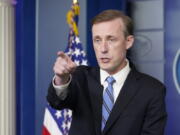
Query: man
column 114, row 98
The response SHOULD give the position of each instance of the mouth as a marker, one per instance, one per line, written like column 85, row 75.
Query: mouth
column 105, row 60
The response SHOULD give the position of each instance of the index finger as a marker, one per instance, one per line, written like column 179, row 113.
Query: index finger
column 62, row 55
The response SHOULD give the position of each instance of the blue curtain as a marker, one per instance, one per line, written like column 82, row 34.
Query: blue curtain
column 93, row 8
column 172, row 66
column 25, row 67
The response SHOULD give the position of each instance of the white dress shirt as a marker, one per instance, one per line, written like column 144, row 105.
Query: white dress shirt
column 120, row 78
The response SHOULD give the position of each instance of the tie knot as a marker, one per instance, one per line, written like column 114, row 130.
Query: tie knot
column 110, row 80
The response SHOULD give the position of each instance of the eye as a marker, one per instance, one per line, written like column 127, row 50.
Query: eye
column 97, row 41
column 111, row 40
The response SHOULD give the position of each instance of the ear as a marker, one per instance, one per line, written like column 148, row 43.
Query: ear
column 129, row 41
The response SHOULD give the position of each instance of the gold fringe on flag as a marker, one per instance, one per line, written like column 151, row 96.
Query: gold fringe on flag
column 75, row 11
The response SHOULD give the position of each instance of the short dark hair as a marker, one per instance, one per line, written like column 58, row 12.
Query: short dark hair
column 111, row 14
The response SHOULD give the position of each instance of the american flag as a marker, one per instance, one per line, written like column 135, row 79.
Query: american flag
column 75, row 50
column 58, row 122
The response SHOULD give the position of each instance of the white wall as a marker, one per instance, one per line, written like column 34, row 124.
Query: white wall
column 148, row 50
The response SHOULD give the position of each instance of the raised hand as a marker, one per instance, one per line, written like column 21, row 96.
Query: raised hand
column 63, row 67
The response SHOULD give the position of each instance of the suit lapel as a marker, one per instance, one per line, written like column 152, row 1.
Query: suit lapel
column 128, row 91
column 95, row 92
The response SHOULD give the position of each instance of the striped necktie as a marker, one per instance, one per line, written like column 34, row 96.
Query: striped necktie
column 108, row 101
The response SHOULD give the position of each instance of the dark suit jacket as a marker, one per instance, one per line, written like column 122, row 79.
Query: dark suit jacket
column 138, row 110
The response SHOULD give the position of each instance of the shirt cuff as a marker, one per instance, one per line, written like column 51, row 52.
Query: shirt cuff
column 61, row 90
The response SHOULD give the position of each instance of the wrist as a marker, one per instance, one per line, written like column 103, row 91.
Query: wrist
column 61, row 80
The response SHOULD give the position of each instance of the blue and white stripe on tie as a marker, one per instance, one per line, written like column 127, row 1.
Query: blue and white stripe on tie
column 108, row 101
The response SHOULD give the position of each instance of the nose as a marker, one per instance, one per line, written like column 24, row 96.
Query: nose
column 104, row 47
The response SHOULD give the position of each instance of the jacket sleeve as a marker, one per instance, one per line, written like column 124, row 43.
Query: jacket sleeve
column 73, row 91
column 58, row 103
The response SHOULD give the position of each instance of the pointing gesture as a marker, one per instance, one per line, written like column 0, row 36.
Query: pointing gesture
column 63, row 67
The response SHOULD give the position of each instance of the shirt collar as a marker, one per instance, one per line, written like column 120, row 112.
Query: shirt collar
column 120, row 76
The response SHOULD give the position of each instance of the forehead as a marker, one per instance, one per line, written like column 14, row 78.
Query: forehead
column 108, row 27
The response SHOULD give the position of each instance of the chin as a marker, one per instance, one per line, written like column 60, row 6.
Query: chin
column 105, row 67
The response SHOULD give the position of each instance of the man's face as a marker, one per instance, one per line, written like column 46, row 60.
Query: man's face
column 110, row 45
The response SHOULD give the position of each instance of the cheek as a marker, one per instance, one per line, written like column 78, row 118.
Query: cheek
column 119, row 53
column 95, row 48
column 96, row 51
column 117, row 50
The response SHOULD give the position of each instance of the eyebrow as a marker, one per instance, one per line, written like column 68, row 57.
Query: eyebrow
column 108, row 36
column 95, row 37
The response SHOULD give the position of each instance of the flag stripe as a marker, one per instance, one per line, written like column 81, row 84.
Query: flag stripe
column 45, row 131
column 51, row 124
